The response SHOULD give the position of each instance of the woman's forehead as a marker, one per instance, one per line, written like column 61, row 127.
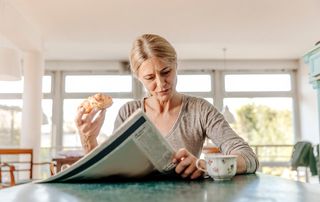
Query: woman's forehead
column 153, row 64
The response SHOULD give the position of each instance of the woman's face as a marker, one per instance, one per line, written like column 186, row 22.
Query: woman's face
column 158, row 78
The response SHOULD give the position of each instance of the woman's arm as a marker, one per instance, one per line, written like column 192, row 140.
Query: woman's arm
column 223, row 136
column 241, row 163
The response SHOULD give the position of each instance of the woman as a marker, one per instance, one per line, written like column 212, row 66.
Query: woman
column 185, row 121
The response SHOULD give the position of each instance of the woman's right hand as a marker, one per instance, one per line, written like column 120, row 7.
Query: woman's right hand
column 89, row 126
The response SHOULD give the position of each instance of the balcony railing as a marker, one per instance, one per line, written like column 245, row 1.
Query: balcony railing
column 273, row 155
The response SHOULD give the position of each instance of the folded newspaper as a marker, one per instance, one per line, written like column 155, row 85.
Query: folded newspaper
column 136, row 149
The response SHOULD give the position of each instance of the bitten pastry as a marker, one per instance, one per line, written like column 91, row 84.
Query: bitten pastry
column 98, row 100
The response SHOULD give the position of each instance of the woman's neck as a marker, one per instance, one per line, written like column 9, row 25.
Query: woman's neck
column 163, row 107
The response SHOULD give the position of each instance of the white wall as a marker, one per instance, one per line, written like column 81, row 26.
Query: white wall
column 307, row 98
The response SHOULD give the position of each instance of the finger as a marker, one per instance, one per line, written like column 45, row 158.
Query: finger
column 90, row 127
column 182, row 165
column 100, row 117
column 196, row 174
column 91, row 115
column 78, row 118
column 181, row 154
column 189, row 170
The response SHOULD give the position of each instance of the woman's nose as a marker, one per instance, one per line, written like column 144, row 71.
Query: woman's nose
column 160, row 81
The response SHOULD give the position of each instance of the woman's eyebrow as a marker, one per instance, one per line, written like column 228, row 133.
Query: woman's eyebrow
column 164, row 69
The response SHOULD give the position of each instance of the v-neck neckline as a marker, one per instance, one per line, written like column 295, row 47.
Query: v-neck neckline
column 176, row 122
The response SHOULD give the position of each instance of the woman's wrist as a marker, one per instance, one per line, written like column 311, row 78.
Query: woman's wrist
column 89, row 144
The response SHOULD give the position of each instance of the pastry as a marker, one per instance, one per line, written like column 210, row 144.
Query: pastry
column 98, row 100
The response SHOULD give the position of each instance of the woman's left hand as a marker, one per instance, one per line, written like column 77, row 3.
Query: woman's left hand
column 186, row 164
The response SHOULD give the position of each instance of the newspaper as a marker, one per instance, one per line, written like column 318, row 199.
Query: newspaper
column 135, row 149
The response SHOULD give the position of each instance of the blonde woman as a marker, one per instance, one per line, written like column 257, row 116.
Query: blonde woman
column 185, row 121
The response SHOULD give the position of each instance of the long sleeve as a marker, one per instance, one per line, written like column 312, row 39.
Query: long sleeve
column 222, row 135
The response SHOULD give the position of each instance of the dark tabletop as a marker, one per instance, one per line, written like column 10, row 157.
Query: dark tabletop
column 257, row 187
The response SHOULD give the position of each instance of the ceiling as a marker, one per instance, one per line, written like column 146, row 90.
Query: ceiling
column 199, row 29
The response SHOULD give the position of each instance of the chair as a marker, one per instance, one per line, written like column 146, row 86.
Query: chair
column 11, row 170
column 303, row 156
column 317, row 149
column 17, row 163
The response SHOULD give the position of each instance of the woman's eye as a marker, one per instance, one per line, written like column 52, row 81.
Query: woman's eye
column 166, row 72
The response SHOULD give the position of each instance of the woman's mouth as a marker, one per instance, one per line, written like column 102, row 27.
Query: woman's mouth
column 162, row 92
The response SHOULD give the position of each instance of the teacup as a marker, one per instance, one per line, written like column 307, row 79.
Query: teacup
column 218, row 166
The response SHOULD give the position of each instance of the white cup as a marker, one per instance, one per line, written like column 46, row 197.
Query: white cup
column 64, row 166
column 219, row 167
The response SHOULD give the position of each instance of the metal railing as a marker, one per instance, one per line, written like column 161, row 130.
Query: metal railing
column 273, row 155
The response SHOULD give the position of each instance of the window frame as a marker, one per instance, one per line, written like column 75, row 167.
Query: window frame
column 208, row 94
column 217, row 93
column 268, row 94
column 60, row 95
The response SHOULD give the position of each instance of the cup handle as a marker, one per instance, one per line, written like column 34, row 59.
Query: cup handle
column 198, row 165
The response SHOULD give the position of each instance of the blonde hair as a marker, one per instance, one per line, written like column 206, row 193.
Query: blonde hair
column 150, row 45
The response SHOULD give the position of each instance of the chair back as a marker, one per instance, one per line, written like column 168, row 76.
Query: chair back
column 303, row 156
column 20, row 159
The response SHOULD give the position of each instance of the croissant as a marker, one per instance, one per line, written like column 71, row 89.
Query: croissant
column 98, row 100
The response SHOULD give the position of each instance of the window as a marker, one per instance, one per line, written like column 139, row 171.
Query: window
column 98, row 83
column 46, row 127
column 71, row 137
column 263, row 120
column 11, row 112
column 11, row 87
column 79, row 87
column 257, row 82
column 262, row 105
column 47, row 107
column 267, row 93
column 196, row 84
column 10, row 122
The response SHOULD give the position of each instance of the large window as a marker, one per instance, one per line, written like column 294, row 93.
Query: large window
column 98, row 83
column 122, row 87
column 257, row 82
column 196, row 84
column 10, row 122
column 262, row 105
column 81, row 85
column 11, row 112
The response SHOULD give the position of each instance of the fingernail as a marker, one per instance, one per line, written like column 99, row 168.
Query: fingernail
column 174, row 160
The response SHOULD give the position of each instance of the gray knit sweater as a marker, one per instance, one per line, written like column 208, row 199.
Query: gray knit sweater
column 197, row 120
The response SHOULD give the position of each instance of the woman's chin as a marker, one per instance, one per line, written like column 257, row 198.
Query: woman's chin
column 163, row 98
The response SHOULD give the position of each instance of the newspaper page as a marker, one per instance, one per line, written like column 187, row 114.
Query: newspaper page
column 134, row 150
column 155, row 147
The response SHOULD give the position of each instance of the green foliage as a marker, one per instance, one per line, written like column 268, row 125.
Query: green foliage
column 260, row 124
